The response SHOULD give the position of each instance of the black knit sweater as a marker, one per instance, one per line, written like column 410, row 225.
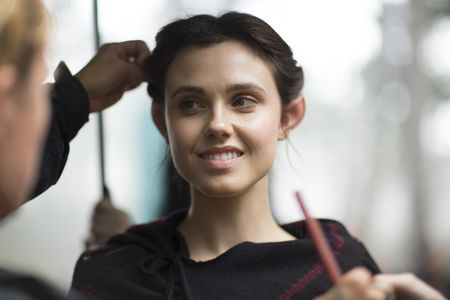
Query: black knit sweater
column 151, row 261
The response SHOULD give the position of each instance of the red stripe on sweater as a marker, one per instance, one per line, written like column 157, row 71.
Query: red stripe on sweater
column 317, row 269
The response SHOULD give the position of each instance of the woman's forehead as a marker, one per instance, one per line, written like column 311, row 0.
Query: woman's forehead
column 228, row 62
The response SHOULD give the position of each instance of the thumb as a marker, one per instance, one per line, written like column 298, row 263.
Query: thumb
column 131, row 74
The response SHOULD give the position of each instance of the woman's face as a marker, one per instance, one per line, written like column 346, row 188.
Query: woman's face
column 25, row 126
column 222, row 117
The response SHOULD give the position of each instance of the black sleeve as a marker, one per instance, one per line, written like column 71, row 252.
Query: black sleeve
column 70, row 105
column 369, row 262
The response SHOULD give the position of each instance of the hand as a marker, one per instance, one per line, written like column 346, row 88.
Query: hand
column 356, row 284
column 408, row 286
column 107, row 221
column 115, row 69
column 359, row 284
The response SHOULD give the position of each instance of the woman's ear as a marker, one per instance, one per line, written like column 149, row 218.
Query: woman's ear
column 159, row 119
column 292, row 115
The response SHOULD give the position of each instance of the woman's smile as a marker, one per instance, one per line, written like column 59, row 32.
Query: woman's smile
column 221, row 158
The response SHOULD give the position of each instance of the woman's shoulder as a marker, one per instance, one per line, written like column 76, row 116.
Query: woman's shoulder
column 349, row 250
column 123, row 262
column 331, row 228
column 152, row 238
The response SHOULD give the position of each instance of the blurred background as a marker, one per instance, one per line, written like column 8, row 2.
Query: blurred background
column 373, row 151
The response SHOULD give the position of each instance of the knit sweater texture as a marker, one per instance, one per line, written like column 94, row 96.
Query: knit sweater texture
column 151, row 261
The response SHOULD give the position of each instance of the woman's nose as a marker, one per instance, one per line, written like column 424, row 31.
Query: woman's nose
column 219, row 124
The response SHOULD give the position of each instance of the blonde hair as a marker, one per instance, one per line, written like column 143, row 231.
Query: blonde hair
column 23, row 33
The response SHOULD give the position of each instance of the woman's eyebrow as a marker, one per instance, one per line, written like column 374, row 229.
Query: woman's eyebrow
column 187, row 88
column 229, row 88
column 244, row 86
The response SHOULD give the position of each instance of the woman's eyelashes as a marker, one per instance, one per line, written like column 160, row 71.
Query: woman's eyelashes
column 191, row 105
column 244, row 102
column 240, row 103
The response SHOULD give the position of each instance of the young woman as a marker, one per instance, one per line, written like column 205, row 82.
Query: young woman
column 225, row 90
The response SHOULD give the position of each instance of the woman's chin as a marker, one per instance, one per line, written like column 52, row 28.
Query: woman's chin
column 220, row 191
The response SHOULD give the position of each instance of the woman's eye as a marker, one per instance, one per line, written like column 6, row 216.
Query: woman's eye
column 244, row 102
column 190, row 105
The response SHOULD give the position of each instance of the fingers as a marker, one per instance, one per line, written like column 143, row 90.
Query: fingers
column 131, row 49
column 357, row 284
column 115, row 69
column 131, row 74
column 132, row 55
column 385, row 288
column 107, row 221
column 351, row 286
column 142, row 52
column 408, row 286
column 356, row 277
column 125, row 61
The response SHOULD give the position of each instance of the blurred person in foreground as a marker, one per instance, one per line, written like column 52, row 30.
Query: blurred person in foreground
column 26, row 118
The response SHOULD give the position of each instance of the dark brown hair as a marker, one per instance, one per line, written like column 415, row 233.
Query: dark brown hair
column 206, row 30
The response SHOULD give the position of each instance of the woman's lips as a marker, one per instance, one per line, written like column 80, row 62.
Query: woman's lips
column 223, row 158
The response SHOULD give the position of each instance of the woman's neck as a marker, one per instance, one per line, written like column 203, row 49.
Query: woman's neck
column 214, row 225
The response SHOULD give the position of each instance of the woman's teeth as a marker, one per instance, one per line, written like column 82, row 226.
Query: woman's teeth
column 222, row 156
